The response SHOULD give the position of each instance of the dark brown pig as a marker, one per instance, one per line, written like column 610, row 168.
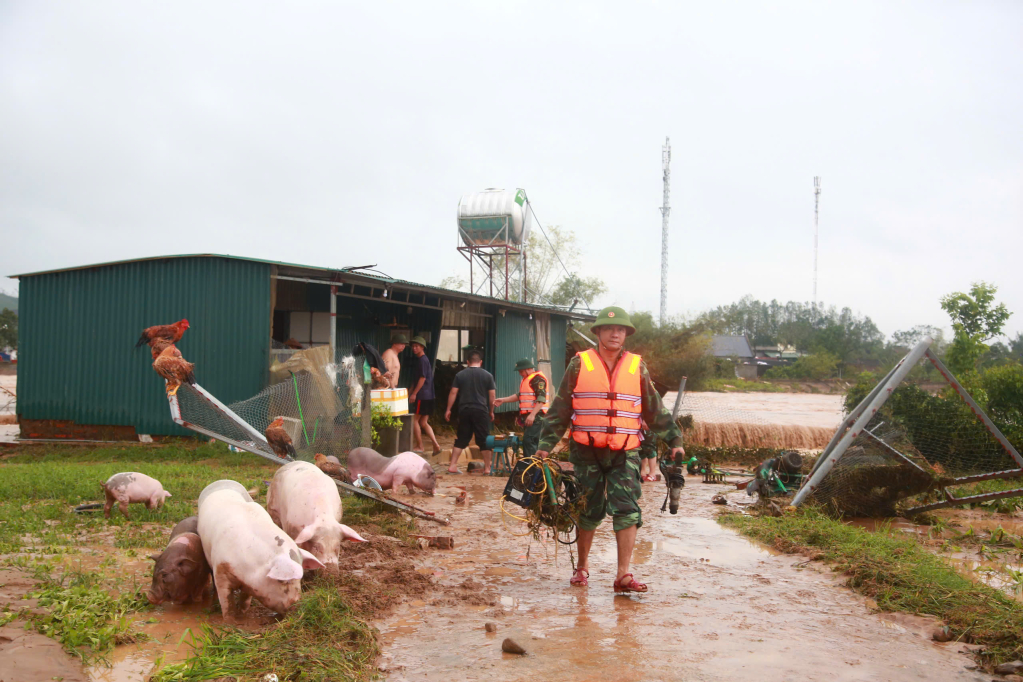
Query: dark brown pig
column 189, row 525
column 181, row 571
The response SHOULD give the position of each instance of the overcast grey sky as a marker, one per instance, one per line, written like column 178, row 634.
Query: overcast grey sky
column 343, row 134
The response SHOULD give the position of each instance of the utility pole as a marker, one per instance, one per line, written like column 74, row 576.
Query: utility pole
column 665, row 210
column 816, row 206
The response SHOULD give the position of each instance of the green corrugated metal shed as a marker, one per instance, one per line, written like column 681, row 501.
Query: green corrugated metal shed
column 78, row 327
column 78, row 330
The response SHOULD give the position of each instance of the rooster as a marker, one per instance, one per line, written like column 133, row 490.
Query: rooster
column 332, row 469
column 279, row 439
column 160, row 344
column 174, row 368
column 171, row 332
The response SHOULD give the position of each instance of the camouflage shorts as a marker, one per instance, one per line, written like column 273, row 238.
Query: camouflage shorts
column 610, row 483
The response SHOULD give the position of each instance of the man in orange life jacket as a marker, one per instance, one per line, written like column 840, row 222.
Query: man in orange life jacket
column 604, row 398
column 533, row 399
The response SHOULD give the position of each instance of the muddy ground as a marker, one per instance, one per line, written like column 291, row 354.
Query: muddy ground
column 718, row 608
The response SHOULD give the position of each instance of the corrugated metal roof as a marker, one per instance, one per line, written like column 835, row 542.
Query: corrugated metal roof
column 78, row 330
column 350, row 273
column 731, row 347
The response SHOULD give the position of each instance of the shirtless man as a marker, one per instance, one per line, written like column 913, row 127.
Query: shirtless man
column 391, row 362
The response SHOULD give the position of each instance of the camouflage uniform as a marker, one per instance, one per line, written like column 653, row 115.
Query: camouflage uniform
column 609, row 478
column 531, row 434
column 648, row 448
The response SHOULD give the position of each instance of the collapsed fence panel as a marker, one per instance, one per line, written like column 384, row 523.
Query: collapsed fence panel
column 904, row 450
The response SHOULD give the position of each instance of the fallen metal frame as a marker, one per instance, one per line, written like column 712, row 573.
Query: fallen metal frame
column 856, row 423
column 258, row 440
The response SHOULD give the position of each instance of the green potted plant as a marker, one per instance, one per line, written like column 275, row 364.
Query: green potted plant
column 385, row 430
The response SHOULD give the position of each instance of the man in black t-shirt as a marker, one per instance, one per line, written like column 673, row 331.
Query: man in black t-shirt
column 475, row 389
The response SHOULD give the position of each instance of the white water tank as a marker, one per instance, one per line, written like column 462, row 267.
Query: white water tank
column 482, row 217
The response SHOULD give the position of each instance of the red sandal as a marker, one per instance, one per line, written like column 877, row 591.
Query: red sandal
column 580, row 578
column 632, row 586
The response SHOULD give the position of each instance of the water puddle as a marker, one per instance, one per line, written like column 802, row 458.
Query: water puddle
column 167, row 626
column 696, row 539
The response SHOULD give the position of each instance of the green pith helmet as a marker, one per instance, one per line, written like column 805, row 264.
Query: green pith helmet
column 399, row 338
column 524, row 363
column 614, row 315
column 420, row 340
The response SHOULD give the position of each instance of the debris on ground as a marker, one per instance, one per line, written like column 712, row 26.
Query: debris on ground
column 942, row 634
column 491, row 627
column 437, row 541
column 719, row 499
column 510, row 646
column 1012, row 668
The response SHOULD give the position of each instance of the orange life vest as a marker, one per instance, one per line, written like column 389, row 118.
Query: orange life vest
column 607, row 408
column 527, row 397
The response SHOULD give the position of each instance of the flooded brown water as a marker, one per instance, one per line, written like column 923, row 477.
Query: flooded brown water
column 719, row 607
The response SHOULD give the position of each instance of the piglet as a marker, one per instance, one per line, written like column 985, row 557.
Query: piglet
column 131, row 486
column 181, row 571
column 408, row 469
column 305, row 503
column 247, row 552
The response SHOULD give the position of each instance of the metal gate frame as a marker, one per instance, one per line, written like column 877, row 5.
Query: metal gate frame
column 856, row 423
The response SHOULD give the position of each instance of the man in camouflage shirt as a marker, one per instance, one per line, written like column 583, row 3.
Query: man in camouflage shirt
column 530, row 418
column 609, row 478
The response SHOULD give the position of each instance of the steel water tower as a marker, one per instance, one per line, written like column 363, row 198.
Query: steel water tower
column 493, row 228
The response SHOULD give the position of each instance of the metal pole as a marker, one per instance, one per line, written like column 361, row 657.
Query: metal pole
column 816, row 205
column 333, row 323
column 678, row 399
column 894, row 379
column 665, row 210
column 367, row 410
column 851, row 419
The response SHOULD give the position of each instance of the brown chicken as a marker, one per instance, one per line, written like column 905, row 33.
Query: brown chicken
column 160, row 344
column 332, row 469
column 279, row 440
column 171, row 332
column 174, row 368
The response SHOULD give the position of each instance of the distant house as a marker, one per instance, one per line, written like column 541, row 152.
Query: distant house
column 731, row 347
column 778, row 351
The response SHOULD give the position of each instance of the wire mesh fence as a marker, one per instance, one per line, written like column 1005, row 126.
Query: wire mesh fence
column 318, row 400
column 919, row 451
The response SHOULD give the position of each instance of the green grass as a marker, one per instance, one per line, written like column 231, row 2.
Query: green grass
column 40, row 487
column 81, row 614
column 324, row 638
column 900, row 575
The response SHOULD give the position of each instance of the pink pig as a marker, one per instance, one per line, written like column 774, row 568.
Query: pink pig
column 408, row 469
column 131, row 486
column 305, row 503
column 247, row 552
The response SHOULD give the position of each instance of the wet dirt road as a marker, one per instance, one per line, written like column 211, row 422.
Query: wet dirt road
column 718, row 608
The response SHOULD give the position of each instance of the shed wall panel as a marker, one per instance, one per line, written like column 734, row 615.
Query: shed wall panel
column 559, row 329
column 515, row 339
column 79, row 327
